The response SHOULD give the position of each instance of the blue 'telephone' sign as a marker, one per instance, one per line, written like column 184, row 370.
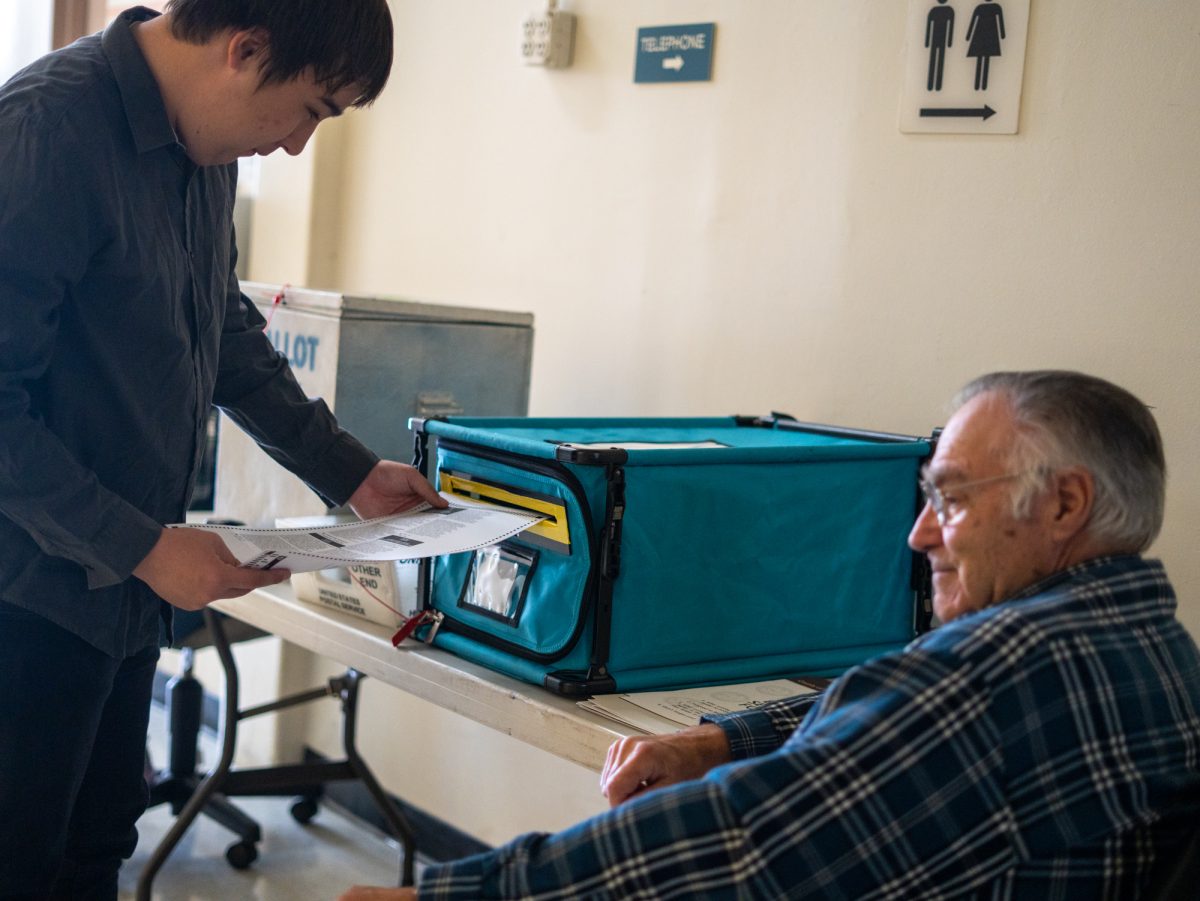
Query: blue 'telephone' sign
column 674, row 53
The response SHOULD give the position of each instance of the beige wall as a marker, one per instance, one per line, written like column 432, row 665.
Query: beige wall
column 770, row 241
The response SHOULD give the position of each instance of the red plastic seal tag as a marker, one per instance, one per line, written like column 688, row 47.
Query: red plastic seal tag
column 410, row 625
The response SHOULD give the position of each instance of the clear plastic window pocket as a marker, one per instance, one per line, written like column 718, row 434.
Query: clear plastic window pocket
column 497, row 581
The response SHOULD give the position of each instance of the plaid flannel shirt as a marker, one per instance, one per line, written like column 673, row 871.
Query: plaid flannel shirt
column 1029, row 750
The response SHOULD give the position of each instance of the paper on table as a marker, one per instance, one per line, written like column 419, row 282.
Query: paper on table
column 617, row 709
column 421, row 532
column 659, row 712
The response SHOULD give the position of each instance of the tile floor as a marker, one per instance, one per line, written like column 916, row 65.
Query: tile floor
column 295, row 863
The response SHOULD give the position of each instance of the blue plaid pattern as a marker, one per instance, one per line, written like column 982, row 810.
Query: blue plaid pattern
column 1029, row 750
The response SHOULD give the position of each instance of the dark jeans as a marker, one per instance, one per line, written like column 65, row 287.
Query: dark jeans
column 72, row 747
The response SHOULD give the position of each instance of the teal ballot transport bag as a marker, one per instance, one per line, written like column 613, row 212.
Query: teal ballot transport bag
column 675, row 552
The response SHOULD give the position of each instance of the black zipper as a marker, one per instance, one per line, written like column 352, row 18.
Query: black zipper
column 559, row 473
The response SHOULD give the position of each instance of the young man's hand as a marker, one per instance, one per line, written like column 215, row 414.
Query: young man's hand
column 188, row 568
column 644, row 762
column 392, row 487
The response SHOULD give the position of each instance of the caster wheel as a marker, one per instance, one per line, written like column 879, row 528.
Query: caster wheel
column 241, row 854
column 304, row 810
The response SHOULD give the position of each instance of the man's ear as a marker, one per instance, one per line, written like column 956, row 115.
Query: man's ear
column 1072, row 495
column 247, row 49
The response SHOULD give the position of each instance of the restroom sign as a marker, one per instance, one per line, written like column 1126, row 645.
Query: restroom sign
column 674, row 53
column 964, row 66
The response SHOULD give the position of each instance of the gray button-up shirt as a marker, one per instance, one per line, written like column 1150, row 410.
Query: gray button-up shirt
column 121, row 323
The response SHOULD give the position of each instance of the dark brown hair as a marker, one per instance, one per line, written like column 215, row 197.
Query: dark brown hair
column 344, row 42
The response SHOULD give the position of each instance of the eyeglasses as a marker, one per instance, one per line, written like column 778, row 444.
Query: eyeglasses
column 946, row 506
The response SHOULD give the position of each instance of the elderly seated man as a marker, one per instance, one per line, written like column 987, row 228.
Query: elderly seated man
column 1034, row 745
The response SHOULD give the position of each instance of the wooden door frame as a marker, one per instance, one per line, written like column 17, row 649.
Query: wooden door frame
column 75, row 18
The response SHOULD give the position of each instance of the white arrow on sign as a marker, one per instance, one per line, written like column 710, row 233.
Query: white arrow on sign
column 673, row 62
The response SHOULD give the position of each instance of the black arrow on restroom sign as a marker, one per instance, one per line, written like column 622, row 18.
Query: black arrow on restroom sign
column 983, row 112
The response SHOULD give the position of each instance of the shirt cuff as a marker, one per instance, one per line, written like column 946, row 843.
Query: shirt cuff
column 123, row 541
column 492, row 874
column 750, row 733
column 767, row 728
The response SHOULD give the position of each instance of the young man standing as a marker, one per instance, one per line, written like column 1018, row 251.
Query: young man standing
column 121, row 324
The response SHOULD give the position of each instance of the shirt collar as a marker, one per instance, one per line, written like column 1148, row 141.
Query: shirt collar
column 1072, row 573
column 140, row 94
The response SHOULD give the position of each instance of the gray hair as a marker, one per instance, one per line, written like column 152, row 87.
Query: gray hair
column 1071, row 419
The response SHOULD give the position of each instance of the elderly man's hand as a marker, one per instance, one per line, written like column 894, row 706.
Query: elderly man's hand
column 392, row 487
column 368, row 893
column 641, row 763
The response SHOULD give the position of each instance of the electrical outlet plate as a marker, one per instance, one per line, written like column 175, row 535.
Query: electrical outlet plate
column 548, row 39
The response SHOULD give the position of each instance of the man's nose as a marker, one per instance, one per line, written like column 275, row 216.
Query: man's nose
column 294, row 143
column 926, row 532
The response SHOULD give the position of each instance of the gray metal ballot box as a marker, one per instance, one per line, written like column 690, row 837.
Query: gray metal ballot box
column 376, row 361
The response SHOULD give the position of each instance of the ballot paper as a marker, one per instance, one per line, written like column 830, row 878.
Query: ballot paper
column 660, row 712
column 424, row 531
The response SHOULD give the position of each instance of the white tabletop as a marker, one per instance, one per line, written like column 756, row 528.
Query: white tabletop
column 526, row 712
